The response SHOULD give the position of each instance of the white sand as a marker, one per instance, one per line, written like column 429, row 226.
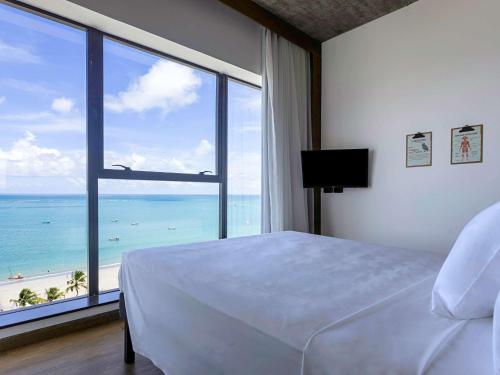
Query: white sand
column 108, row 279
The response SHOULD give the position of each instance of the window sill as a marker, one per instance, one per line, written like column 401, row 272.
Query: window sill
column 34, row 313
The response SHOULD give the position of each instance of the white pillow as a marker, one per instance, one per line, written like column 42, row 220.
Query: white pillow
column 496, row 336
column 469, row 281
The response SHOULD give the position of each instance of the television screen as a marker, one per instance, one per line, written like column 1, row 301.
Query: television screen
column 335, row 168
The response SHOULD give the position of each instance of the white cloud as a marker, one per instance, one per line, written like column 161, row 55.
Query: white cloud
column 60, row 125
column 3, row 173
column 29, row 116
column 2, row 99
column 135, row 160
column 166, row 86
column 149, row 161
column 204, row 148
column 201, row 158
column 77, row 181
column 63, row 105
column 250, row 99
column 253, row 102
column 25, row 158
column 27, row 86
column 42, row 26
column 64, row 119
column 249, row 128
column 138, row 161
column 44, row 122
column 244, row 173
column 178, row 166
column 17, row 54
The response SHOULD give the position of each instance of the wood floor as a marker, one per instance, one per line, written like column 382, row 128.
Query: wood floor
column 94, row 351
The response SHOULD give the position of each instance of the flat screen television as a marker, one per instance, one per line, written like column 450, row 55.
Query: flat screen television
column 335, row 168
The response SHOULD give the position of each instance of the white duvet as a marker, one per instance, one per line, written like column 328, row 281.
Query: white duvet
column 292, row 303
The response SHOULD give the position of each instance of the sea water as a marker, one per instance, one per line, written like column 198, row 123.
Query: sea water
column 45, row 234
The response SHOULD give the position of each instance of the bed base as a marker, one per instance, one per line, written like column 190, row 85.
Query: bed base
column 128, row 349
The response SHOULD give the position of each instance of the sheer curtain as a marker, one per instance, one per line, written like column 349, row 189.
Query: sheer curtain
column 286, row 131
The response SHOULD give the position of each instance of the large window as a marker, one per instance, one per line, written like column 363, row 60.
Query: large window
column 43, row 229
column 106, row 147
column 141, row 214
column 244, row 159
column 159, row 115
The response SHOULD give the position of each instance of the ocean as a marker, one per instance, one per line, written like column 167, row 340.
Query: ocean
column 46, row 234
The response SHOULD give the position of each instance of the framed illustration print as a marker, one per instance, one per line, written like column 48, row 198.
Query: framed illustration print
column 419, row 150
column 467, row 144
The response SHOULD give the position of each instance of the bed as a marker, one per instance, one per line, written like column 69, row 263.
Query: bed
column 295, row 303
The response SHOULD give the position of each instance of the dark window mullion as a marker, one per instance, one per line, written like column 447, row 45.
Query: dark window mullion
column 116, row 174
column 222, row 151
column 95, row 108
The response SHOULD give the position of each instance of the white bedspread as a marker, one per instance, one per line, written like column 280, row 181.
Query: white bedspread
column 292, row 303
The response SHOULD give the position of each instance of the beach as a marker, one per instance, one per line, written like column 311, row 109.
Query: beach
column 108, row 279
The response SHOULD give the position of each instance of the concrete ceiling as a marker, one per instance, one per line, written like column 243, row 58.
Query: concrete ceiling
column 324, row 19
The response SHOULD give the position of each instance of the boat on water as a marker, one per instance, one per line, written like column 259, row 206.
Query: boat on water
column 134, row 223
column 115, row 238
column 115, row 220
column 171, row 228
column 46, row 222
column 19, row 276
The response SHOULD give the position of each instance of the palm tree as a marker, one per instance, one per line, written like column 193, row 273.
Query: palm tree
column 53, row 293
column 27, row 297
column 78, row 280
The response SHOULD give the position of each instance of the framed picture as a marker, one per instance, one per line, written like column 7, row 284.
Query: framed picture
column 467, row 144
column 419, row 150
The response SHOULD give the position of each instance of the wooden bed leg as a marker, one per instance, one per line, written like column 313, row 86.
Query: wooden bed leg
column 128, row 349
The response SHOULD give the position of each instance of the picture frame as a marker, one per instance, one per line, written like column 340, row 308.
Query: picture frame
column 419, row 150
column 467, row 145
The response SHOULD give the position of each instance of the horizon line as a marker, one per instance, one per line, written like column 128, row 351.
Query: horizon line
column 84, row 194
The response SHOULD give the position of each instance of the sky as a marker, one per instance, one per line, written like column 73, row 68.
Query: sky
column 159, row 115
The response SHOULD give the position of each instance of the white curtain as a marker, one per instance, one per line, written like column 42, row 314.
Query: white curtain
column 286, row 131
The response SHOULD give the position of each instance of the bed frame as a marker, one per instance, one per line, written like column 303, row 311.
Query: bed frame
column 128, row 349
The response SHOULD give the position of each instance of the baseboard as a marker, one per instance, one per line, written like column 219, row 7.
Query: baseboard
column 55, row 330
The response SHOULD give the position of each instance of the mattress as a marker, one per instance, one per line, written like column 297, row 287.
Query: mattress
column 294, row 303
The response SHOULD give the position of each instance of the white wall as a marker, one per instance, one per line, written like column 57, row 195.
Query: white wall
column 431, row 66
column 205, row 32
column 207, row 26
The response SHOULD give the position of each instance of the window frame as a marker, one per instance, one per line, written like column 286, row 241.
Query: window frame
column 95, row 140
column 251, row 85
column 96, row 170
column 109, row 173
